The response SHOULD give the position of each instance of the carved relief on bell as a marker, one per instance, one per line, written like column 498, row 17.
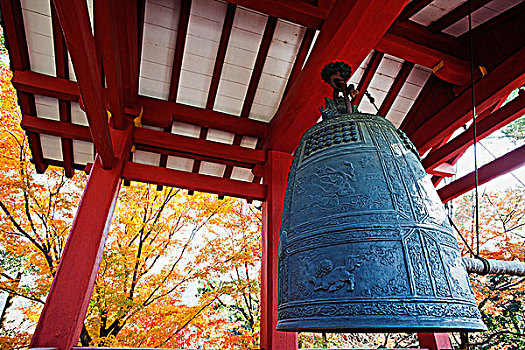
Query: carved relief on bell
column 365, row 244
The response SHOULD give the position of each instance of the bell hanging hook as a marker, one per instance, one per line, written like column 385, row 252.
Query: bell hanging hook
column 336, row 74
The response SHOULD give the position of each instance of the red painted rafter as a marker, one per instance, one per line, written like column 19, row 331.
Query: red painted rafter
column 192, row 182
column 158, row 141
column 75, row 23
column 291, row 10
column 456, row 14
column 131, row 21
column 107, row 37
column 454, row 70
column 17, row 45
column 368, row 74
column 158, row 113
column 412, row 8
column 350, row 32
column 182, row 29
column 501, row 117
column 508, row 76
column 64, row 107
column 266, row 41
column 300, row 58
column 217, row 70
column 503, row 165
column 400, row 79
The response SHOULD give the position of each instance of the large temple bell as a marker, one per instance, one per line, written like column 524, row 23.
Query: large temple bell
column 365, row 243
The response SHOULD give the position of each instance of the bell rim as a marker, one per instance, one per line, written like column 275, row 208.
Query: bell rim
column 380, row 325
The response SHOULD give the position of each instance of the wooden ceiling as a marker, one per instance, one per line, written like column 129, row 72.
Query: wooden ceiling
column 217, row 83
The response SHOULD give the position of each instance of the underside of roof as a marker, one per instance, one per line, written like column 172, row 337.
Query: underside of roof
column 212, row 85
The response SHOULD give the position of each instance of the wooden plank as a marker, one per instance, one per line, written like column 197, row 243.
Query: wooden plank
column 486, row 126
column 66, row 305
column 350, row 32
column 182, row 30
column 434, row 341
column 400, row 79
column 500, row 166
column 275, row 178
column 41, row 84
column 55, row 128
column 496, row 85
column 191, row 181
column 413, row 7
column 76, row 26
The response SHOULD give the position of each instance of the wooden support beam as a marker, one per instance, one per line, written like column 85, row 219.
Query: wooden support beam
column 160, row 139
column 158, row 113
column 400, row 79
column 221, row 55
column 295, row 11
column 412, row 8
column 420, row 49
column 155, row 141
column 500, row 166
column 107, row 13
column 161, row 113
column 300, row 58
column 16, row 44
column 368, row 74
column 66, row 305
column 486, row 126
column 191, row 181
column 456, row 14
column 131, row 23
column 275, row 178
column 350, row 32
column 443, row 170
column 434, row 341
column 76, row 26
column 498, row 84
column 64, row 106
column 182, row 29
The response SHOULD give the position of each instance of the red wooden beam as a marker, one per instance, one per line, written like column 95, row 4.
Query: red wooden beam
column 434, row 341
column 500, row 166
column 16, row 43
column 400, row 79
column 191, row 181
column 211, row 149
column 161, row 113
column 76, row 26
column 498, row 84
column 156, row 112
column 131, row 23
column 64, row 107
column 295, row 11
column 275, row 177
column 41, row 84
column 486, row 126
column 443, row 170
column 106, row 20
column 182, row 29
column 412, row 8
column 221, row 54
column 368, row 74
column 454, row 70
column 66, row 305
column 350, row 32
column 456, row 14
column 300, row 58
column 156, row 141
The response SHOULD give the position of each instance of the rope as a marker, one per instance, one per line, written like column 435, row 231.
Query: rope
column 474, row 132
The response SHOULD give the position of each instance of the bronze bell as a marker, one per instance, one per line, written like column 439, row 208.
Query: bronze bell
column 365, row 242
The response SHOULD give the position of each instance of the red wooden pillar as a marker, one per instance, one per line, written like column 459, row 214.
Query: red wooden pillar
column 434, row 341
column 61, row 320
column 275, row 177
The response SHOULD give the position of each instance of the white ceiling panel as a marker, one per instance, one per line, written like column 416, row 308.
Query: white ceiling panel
column 51, row 147
column 78, row 116
column 242, row 174
column 212, row 169
column 179, row 163
column 148, row 158
column 83, row 152
column 47, row 107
